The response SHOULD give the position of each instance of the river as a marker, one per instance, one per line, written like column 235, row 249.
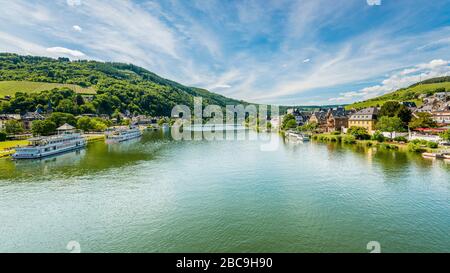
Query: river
column 156, row 194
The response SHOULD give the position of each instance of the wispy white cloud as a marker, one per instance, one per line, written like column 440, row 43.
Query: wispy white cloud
column 77, row 28
column 399, row 79
column 271, row 51
column 65, row 51
column 73, row 3
column 12, row 43
column 374, row 2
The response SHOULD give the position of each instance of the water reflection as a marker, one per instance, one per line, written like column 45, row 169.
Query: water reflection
column 100, row 157
column 97, row 157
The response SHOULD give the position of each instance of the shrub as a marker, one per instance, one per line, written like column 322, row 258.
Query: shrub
column 432, row 145
column 388, row 146
column 400, row 139
column 349, row 139
column 369, row 144
column 359, row 132
column 336, row 133
column 385, row 146
column 378, row 136
column 419, row 141
column 416, row 148
column 14, row 127
column 3, row 135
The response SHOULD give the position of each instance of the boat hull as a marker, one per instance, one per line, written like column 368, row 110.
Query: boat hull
column 50, row 153
column 298, row 137
column 123, row 138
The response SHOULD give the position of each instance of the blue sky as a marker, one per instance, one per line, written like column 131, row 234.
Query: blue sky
column 264, row 51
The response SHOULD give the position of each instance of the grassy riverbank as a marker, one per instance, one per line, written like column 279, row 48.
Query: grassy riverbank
column 94, row 138
column 7, row 147
column 389, row 145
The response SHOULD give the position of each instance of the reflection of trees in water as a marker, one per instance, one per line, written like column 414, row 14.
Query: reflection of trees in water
column 398, row 163
column 393, row 163
column 97, row 157
column 44, row 166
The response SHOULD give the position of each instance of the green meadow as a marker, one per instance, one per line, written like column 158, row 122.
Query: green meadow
column 9, row 88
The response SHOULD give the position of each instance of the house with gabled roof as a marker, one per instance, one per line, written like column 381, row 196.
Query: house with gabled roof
column 337, row 119
column 365, row 118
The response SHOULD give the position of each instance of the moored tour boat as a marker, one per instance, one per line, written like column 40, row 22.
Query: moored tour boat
column 66, row 140
column 120, row 134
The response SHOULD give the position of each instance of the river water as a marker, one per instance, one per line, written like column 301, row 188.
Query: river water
column 156, row 194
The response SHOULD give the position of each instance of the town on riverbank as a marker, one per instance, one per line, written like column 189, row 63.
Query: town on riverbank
column 393, row 125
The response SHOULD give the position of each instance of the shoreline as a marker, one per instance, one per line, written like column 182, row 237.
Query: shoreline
column 7, row 148
column 388, row 145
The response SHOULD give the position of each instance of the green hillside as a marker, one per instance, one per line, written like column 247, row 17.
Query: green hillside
column 411, row 93
column 11, row 87
column 120, row 87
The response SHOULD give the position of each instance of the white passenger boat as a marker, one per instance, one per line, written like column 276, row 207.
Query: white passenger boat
column 120, row 134
column 298, row 136
column 66, row 140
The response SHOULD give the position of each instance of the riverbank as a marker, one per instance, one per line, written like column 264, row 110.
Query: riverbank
column 7, row 148
column 95, row 138
column 389, row 145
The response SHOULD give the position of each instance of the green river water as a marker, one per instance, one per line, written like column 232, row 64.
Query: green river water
column 155, row 194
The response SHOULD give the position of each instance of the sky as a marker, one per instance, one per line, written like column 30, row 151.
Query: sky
column 304, row 52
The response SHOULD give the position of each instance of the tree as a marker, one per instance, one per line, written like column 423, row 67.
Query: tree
column 79, row 100
column 14, row 127
column 61, row 118
column 66, row 106
column 389, row 109
column 91, row 124
column 288, row 119
column 390, row 124
column 445, row 135
column 291, row 124
column 84, row 123
column 5, row 106
column 3, row 135
column 358, row 132
column 87, row 108
column 98, row 126
column 404, row 114
column 309, row 127
column 422, row 120
column 117, row 116
column 378, row 136
column 43, row 127
column 395, row 109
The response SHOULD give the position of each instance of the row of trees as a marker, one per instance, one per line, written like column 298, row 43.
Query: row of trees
column 48, row 126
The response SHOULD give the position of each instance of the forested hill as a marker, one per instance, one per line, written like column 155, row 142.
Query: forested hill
column 118, row 86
